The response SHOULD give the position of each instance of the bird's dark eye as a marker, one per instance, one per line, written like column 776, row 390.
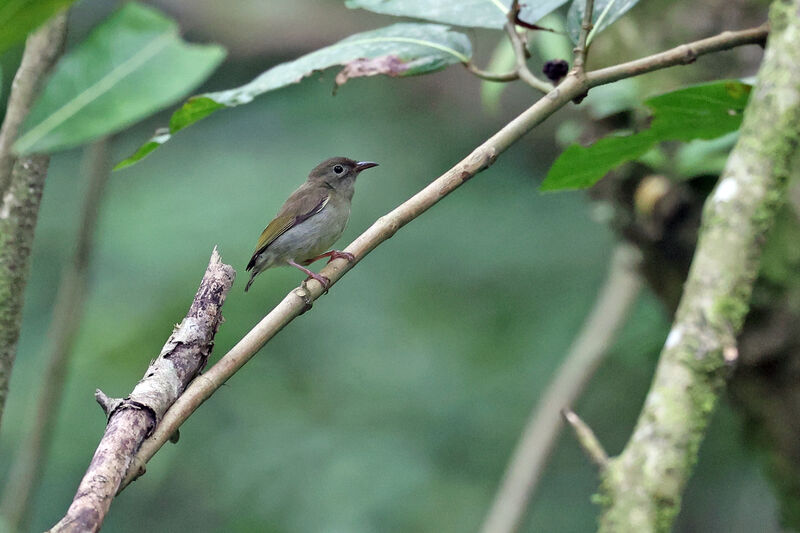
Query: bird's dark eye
column 338, row 169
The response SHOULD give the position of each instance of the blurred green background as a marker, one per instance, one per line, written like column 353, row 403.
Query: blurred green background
column 395, row 404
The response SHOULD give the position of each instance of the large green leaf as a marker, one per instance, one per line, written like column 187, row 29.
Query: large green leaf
column 20, row 17
column 471, row 13
column 130, row 66
column 605, row 13
column 701, row 112
column 399, row 50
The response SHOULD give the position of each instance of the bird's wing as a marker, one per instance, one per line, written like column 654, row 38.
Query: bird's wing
column 308, row 205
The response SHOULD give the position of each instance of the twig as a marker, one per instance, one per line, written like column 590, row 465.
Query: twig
column 541, row 432
column 132, row 419
column 491, row 76
column 691, row 370
column 581, row 49
column 21, row 184
column 299, row 300
column 599, row 22
column 521, row 53
column 26, row 471
column 587, row 439
column 680, row 55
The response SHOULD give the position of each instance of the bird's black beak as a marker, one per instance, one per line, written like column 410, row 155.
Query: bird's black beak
column 364, row 165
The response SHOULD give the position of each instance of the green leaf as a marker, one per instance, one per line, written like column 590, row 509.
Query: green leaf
column 604, row 14
column 130, row 66
column 399, row 50
column 20, row 17
column 578, row 166
column 470, row 13
column 701, row 112
column 161, row 136
column 704, row 156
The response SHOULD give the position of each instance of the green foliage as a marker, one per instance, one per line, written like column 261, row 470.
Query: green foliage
column 780, row 259
column 470, row 13
column 132, row 65
column 502, row 60
column 701, row 112
column 20, row 17
column 604, row 14
column 704, row 156
column 399, row 50
column 161, row 136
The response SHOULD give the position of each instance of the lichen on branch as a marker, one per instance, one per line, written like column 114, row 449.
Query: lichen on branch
column 642, row 487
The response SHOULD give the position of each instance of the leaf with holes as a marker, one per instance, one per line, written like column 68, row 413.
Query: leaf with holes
column 470, row 13
column 132, row 65
column 400, row 50
column 701, row 112
column 604, row 14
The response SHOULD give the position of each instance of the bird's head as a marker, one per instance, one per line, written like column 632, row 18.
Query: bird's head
column 339, row 172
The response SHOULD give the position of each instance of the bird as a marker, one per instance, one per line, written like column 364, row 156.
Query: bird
column 310, row 221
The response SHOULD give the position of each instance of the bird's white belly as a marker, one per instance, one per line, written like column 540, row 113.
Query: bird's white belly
column 308, row 239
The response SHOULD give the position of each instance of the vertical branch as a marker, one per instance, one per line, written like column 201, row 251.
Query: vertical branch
column 541, row 432
column 21, row 185
column 582, row 47
column 26, row 471
column 716, row 297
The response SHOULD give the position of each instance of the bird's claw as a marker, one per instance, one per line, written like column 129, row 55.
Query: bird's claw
column 322, row 280
column 336, row 254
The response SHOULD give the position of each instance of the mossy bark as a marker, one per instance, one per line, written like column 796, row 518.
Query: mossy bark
column 641, row 488
column 21, row 184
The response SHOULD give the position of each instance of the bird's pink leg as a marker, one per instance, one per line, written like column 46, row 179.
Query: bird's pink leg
column 333, row 254
column 325, row 282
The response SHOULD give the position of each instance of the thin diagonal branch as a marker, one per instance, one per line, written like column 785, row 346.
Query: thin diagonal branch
column 527, row 464
column 690, row 375
column 132, row 419
column 21, row 185
column 300, row 300
column 26, row 471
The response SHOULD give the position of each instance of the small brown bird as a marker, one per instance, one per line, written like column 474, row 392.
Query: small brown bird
column 311, row 220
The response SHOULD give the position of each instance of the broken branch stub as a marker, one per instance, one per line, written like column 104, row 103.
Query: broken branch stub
column 133, row 418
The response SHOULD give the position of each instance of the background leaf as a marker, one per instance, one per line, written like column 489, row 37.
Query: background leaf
column 613, row 9
column 411, row 48
column 700, row 112
column 471, row 13
column 20, row 17
column 129, row 67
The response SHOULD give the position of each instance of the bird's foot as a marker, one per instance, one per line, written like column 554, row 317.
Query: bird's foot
column 336, row 254
column 333, row 254
column 325, row 282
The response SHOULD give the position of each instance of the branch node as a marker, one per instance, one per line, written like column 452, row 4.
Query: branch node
column 587, row 439
column 109, row 405
column 582, row 48
column 303, row 293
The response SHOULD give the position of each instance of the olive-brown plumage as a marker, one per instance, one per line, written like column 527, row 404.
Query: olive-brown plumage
column 311, row 220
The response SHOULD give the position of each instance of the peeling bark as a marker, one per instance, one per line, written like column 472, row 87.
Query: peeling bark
column 133, row 418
